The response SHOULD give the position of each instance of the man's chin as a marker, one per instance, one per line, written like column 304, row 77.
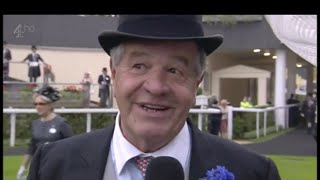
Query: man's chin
column 154, row 133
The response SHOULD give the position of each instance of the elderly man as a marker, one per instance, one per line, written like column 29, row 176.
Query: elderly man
column 157, row 63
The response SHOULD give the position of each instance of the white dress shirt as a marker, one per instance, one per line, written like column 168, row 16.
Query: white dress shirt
column 123, row 152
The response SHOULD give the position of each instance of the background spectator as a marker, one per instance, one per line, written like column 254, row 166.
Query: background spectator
column 48, row 128
column 33, row 63
column 294, row 112
column 6, row 58
column 104, row 83
column 86, row 85
column 309, row 112
column 224, row 119
column 214, row 119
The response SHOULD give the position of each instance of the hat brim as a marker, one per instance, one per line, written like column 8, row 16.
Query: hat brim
column 110, row 39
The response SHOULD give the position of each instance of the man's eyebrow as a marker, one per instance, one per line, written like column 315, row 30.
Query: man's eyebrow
column 182, row 59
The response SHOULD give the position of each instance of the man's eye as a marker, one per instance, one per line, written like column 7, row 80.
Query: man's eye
column 174, row 71
column 138, row 66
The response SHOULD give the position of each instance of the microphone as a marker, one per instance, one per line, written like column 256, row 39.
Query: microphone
column 164, row 168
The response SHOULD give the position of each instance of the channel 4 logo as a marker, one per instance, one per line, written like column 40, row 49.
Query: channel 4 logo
column 23, row 28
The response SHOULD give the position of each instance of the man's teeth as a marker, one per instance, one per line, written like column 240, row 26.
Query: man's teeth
column 153, row 108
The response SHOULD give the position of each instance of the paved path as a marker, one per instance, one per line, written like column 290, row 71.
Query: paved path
column 296, row 143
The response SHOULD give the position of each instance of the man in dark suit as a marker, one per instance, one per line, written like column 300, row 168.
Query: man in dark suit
column 6, row 58
column 214, row 119
column 104, row 82
column 293, row 111
column 157, row 63
column 309, row 112
column 33, row 63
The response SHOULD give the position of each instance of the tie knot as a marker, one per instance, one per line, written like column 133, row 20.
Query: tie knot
column 142, row 163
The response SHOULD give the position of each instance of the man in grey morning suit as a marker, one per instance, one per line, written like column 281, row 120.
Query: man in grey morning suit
column 157, row 63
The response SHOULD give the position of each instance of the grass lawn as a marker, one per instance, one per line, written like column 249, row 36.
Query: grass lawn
column 11, row 166
column 296, row 167
column 290, row 167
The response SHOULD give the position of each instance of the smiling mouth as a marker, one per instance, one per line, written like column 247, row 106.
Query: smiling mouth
column 154, row 108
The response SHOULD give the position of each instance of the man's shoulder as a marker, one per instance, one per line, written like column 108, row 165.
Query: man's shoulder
column 79, row 141
column 227, row 148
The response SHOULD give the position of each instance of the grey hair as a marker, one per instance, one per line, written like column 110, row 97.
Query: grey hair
column 45, row 99
column 117, row 52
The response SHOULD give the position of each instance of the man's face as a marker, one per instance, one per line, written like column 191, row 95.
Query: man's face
column 155, row 85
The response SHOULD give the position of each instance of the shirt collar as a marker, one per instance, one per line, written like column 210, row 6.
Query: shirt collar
column 123, row 150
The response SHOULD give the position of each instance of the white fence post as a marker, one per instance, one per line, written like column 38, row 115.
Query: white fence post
column 230, row 122
column 200, row 121
column 257, row 124
column 12, row 129
column 287, row 117
column 88, row 122
column 265, row 123
column 276, row 121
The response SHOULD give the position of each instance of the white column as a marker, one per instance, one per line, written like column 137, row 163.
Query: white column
column 309, row 78
column 280, row 83
column 251, row 88
column 262, row 91
column 216, row 86
column 292, row 71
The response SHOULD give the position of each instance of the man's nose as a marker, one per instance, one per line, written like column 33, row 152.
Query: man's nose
column 157, row 82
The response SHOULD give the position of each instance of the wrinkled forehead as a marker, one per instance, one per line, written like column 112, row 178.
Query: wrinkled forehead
column 154, row 43
column 186, row 48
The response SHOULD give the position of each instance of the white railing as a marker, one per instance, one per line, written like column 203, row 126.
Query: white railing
column 258, row 111
column 200, row 112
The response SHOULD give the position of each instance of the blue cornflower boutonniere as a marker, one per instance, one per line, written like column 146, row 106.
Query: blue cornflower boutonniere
column 220, row 173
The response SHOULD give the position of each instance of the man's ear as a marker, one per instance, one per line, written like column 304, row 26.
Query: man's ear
column 200, row 79
column 113, row 71
column 113, row 75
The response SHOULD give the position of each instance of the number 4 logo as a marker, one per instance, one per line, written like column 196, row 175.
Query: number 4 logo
column 18, row 31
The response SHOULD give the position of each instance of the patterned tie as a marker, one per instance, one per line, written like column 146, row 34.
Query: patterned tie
column 142, row 163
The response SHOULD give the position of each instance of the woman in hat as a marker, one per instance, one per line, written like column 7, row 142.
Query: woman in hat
column 224, row 119
column 33, row 62
column 48, row 128
column 86, row 88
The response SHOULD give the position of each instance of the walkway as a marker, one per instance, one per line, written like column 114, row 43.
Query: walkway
column 293, row 143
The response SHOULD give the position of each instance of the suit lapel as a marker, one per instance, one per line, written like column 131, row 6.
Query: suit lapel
column 202, row 157
column 93, row 158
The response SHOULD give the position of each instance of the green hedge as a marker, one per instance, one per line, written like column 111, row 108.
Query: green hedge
column 76, row 121
column 246, row 121
column 243, row 122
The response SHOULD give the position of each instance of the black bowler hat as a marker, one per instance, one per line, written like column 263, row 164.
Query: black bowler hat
column 160, row 27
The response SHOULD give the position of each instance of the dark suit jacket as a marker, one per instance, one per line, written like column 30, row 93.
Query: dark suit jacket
column 33, row 71
column 107, row 80
column 7, row 54
column 30, row 58
column 83, row 157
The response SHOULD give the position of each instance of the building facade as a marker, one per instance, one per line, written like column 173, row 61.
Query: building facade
column 69, row 43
